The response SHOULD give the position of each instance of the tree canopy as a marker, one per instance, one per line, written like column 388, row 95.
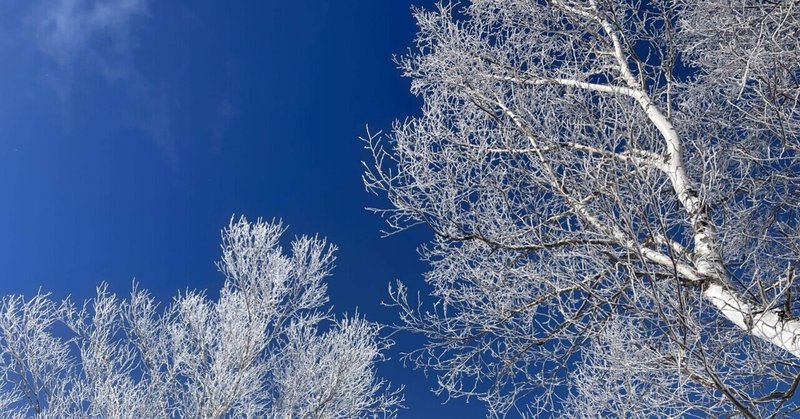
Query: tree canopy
column 613, row 191
column 264, row 348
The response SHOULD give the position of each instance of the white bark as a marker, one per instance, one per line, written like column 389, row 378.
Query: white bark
column 765, row 324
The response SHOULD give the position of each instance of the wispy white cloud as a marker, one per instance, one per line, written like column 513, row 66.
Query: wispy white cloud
column 99, row 29
column 98, row 38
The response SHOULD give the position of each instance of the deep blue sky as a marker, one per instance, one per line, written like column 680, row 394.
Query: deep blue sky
column 131, row 131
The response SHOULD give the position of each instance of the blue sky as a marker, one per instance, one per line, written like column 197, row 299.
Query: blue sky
column 131, row 131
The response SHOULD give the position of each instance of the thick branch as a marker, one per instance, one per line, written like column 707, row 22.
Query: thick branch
column 764, row 324
column 597, row 87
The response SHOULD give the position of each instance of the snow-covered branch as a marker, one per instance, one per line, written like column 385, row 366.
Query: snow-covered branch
column 622, row 177
column 256, row 351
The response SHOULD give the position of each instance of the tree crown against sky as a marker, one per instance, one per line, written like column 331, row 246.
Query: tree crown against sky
column 265, row 347
column 131, row 129
column 613, row 189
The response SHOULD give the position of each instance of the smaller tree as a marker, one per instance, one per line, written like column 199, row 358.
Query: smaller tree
column 255, row 351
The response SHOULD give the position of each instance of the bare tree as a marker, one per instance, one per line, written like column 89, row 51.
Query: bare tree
column 613, row 188
column 256, row 351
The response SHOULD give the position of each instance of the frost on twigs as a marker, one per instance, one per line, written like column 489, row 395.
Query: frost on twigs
column 256, row 351
column 612, row 186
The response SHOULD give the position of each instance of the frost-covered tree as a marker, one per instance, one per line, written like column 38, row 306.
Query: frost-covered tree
column 256, row 351
column 613, row 189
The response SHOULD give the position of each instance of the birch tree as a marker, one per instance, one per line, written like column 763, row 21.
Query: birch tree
column 256, row 351
column 613, row 191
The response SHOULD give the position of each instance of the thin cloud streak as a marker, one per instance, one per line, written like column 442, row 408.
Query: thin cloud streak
column 66, row 29
column 97, row 37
